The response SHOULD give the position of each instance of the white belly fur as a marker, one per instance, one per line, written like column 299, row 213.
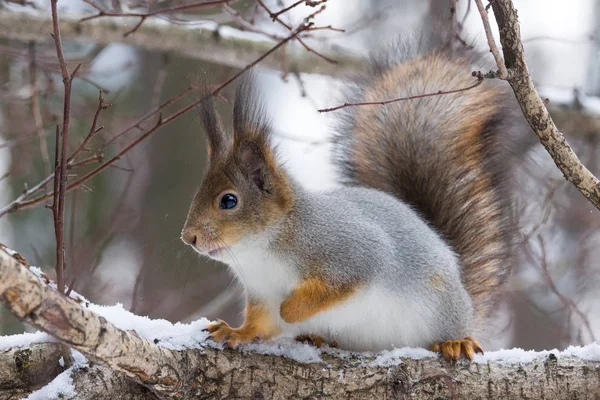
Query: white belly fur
column 371, row 320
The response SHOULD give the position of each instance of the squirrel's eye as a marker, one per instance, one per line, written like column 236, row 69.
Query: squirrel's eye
column 228, row 201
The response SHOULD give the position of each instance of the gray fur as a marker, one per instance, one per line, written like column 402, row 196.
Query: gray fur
column 369, row 237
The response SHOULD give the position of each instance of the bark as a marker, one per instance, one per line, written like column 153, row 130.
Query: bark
column 534, row 108
column 128, row 360
column 25, row 369
column 97, row 382
column 234, row 50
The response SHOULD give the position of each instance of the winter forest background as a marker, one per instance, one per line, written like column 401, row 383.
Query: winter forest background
column 123, row 227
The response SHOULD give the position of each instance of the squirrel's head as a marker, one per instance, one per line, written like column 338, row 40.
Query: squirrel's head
column 244, row 190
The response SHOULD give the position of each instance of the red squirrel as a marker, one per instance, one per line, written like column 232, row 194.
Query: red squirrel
column 412, row 250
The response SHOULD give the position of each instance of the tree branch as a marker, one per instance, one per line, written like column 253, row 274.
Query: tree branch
column 502, row 72
column 204, row 41
column 60, row 167
column 533, row 107
column 25, row 369
column 212, row 373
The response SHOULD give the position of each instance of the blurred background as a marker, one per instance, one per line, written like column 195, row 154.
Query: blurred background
column 123, row 227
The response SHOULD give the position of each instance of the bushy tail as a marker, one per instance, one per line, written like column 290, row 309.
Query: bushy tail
column 443, row 155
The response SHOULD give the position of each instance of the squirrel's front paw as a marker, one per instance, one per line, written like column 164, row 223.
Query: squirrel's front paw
column 221, row 331
column 291, row 311
column 454, row 350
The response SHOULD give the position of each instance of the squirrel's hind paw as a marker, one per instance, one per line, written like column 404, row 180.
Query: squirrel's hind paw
column 454, row 350
column 314, row 340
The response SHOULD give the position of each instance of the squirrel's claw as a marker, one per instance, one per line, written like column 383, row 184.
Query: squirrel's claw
column 454, row 350
column 315, row 341
column 220, row 331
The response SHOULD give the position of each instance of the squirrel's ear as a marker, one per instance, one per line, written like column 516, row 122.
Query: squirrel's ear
column 251, row 131
column 254, row 163
column 212, row 125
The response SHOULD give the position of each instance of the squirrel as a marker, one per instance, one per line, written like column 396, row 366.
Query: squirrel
column 412, row 250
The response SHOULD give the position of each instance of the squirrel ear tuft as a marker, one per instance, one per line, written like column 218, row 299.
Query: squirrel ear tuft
column 251, row 131
column 212, row 125
column 249, row 116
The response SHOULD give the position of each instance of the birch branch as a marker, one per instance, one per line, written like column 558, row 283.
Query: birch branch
column 206, row 372
column 200, row 40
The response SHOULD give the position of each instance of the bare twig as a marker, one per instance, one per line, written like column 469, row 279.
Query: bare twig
column 25, row 201
column 502, row 72
column 567, row 302
column 420, row 96
column 143, row 16
column 533, row 106
column 202, row 42
column 102, row 105
column 308, row 3
column 306, row 22
column 60, row 172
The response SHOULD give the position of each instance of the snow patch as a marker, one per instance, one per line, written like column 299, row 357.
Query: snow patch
column 9, row 251
column 388, row 358
column 24, row 339
column 61, row 387
column 289, row 348
column 176, row 336
column 513, row 356
column 591, row 352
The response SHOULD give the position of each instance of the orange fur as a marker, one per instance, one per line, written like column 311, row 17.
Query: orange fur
column 258, row 323
column 244, row 163
column 313, row 295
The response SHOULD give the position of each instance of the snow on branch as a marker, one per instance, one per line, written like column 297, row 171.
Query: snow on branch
column 175, row 361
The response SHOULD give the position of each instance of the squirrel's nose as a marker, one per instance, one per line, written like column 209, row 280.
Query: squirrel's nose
column 188, row 237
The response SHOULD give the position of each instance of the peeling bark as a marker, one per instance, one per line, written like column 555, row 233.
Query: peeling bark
column 128, row 360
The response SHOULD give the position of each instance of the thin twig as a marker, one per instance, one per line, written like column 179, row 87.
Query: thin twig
column 420, row 96
column 60, row 173
column 144, row 16
column 102, row 105
column 502, row 72
column 563, row 299
column 16, row 205
column 306, row 22
column 283, row 11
